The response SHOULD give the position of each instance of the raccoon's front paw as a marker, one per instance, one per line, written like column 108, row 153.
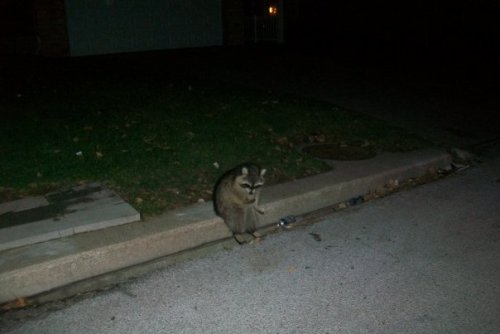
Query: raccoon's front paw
column 259, row 210
column 243, row 238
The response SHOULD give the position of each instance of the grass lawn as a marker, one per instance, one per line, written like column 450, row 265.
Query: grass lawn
column 162, row 144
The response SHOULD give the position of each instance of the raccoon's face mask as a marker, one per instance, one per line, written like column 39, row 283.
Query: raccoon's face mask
column 251, row 183
column 250, row 188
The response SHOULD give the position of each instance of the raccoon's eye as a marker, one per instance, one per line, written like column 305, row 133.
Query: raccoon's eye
column 245, row 185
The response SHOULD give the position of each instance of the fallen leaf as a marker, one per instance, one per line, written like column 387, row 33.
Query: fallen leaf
column 292, row 269
column 283, row 141
column 17, row 303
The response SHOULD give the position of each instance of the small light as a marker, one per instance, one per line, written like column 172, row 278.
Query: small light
column 273, row 10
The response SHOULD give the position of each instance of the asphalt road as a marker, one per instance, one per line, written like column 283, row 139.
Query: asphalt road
column 426, row 260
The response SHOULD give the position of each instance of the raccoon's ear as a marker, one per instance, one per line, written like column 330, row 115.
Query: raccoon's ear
column 262, row 172
column 244, row 171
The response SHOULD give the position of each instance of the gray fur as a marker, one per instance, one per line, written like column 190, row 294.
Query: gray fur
column 236, row 197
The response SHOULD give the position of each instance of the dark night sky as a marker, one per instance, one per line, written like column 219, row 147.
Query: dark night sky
column 437, row 26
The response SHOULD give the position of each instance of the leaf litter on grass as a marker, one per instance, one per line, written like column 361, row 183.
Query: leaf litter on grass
column 157, row 146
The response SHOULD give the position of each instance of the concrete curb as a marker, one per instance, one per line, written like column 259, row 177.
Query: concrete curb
column 38, row 268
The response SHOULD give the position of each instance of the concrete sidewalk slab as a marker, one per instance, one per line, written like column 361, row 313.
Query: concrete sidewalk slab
column 22, row 204
column 80, row 209
column 34, row 269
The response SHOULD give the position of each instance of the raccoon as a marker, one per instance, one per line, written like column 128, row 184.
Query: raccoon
column 236, row 197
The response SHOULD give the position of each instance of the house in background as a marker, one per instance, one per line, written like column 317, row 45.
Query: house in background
column 90, row 27
column 78, row 28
